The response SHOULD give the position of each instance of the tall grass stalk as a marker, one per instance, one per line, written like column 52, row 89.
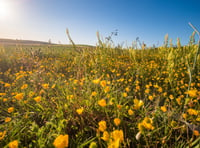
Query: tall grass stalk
column 191, row 71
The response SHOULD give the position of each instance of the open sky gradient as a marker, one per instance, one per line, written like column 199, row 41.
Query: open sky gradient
column 150, row 20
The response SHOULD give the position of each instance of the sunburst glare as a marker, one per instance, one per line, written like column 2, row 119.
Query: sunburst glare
column 5, row 9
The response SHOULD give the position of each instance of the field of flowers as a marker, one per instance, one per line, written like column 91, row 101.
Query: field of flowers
column 54, row 96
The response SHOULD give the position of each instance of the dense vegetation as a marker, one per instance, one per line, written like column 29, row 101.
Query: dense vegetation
column 54, row 96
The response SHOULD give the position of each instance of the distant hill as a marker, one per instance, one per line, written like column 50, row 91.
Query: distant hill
column 8, row 42
column 24, row 42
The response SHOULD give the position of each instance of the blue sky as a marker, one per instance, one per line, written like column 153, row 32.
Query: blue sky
column 150, row 20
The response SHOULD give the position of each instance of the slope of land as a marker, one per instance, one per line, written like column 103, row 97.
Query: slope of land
column 26, row 42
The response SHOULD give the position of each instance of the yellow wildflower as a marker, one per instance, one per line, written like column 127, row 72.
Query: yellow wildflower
column 163, row 108
column 113, row 144
column 150, row 98
column 156, row 86
column 70, row 97
column 102, row 102
column 41, row 91
column 198, row 119
column 192, row 111
column 107, row 89
column 75, row 82
column 19, row 96
column 53, row 86
column 102, row 125
column 125, row 94
column 165, row 94
column 5, row 99
column 137, row 103
column 184, row 115
column 119, row 106
column 7, row 119
column 2, row 135
column 178, row 100
column 31, row 94
column 2, row 94
column 94, row 93
column 130, row 112
column 137, row 87
column 192, row 93
column 18, row 77
column 147, row 91
column 61, row 141
column 127, row 89
column 196, row 133
column 7, row 85
column 80, row 110
column 103, row 83
column 160, row 89
column 37, row 99
column 117, row 134
column 13, row 144
column 146, row 124
column 10, row 109
column 45, row 86
column 141, row 127
column 113, row 70
column 117, row 121
column 24, row 86
column 171, row 97
column 105, row 136
column 118, row 74
column 13, row 93
column 96, row 81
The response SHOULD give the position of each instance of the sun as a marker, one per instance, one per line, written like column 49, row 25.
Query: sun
column 4, row 9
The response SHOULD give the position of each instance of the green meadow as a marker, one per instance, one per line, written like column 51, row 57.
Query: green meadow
column 83, row 96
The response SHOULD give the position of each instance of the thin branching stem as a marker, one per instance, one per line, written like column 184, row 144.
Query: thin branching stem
column 194, row 29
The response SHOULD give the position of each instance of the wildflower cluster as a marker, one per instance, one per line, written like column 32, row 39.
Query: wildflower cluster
column 56, row 96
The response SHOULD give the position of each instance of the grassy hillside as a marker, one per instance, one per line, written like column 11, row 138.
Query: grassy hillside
column 24, row 42
column 53, row 96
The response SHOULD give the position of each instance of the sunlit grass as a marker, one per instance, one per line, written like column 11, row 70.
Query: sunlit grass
column 57, row 97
